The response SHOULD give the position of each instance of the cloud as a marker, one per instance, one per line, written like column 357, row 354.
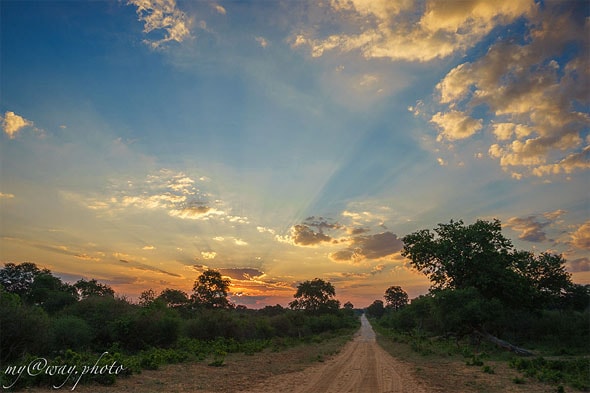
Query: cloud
column 394, row 30
column 162, row 15
column 579, row 265
column 208, row 254
column 219, row 9
column 581, row 236
column 303, row 235
column 455, row 125
column 534, row 91
column 142, row 266
column 529, row 227
column 242, row 273
column 375, row 246
column 13, row 123
column 311, row 232
column 173, row 192
column 6, row 196
column 263, row 42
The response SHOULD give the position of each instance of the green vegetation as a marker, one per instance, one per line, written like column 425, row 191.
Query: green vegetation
column 487, row 297
column 53, row 324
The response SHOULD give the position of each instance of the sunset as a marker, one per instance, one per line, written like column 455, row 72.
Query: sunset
column 147, row 141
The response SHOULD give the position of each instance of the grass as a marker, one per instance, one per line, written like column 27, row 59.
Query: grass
column 483, row 367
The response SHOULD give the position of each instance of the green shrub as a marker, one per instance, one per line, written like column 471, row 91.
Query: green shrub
column 25, row 329
column 70, row 332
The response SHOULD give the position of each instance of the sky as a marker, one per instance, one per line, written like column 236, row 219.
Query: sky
column 145, row 141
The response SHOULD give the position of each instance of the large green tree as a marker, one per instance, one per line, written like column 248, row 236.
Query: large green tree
column 396, row 297
column 315, row 296
column 211, row 289
column 459, row 256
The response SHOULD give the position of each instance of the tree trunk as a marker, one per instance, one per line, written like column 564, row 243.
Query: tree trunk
column 505, row 344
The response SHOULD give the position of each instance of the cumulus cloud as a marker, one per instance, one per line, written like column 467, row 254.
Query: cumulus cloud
column 375, row 246
column 529, row 227
column 311, row 232
column 534, row 90
column 13, row 123
column 162, row 16
column 455, row 125
column 208, row 254
column 394, row 30
column 304, row 235
column 581, row 236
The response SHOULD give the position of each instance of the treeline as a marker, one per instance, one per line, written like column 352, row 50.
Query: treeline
column 41, row 315
column 485, row 291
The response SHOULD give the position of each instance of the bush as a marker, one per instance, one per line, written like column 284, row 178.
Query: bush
column 25, row 329
column 70, row 332
column 102, row 314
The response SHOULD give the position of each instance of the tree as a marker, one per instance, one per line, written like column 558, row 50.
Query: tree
column 315, row 296
column 348, row 306
column 545, row 274
column 396, row 297
column 147, row 297
column 376, row 309
column 19, row 278
column 210, row 290
column 174, row 298
column 92, row 288
column 478, row 256
column 51, row 293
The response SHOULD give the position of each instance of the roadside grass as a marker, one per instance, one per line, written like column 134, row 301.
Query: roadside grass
column 481, row 367
column 214, row 353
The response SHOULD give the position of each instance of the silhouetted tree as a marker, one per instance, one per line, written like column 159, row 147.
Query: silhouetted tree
column 174, row 298
column 19, row 278
column 396, row 297
column 147, row 297
column 315, row 296
column 92, row 288
column 210, row 290
column 376, row 309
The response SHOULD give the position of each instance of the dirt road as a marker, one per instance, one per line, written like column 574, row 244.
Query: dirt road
column 361, row 367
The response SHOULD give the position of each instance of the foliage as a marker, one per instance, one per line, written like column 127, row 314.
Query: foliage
column 315, row 296
column 92, row 288
column 396, row 297
column 69, row 331
column 572, row 371
column 18, row 279
column 210, row 290
column 174, row 298
column 24, row 328
column 478, row 256
column 376, row 309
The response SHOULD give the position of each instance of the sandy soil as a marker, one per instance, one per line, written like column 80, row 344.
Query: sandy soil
column 362, row 366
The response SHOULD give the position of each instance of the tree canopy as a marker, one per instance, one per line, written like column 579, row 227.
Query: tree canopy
column 396, row 297
column 459, row 256
column 210, row 290
column 315, row 296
